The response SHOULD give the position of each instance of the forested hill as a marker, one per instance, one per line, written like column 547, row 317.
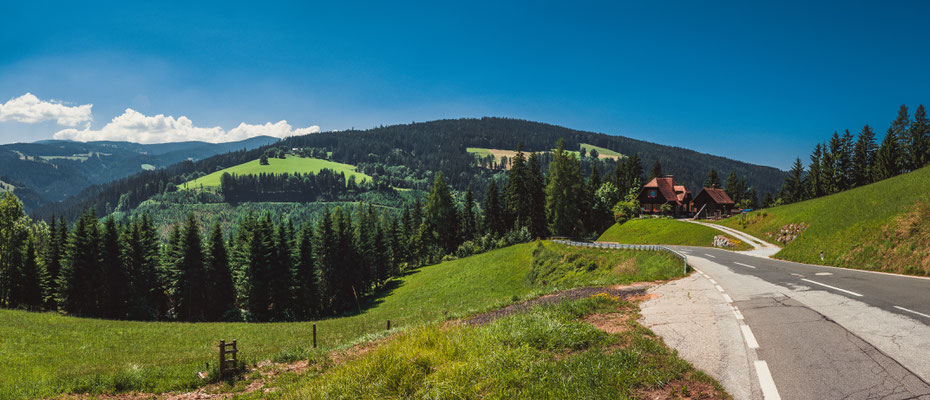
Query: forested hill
column 442, row 144
column 408, row 155
column 53, row 170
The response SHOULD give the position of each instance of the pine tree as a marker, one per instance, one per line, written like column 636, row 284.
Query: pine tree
column 279, row 275
column 833, row 172
column 52, row 261
column 656, row 171
column 564, row 194
column 919, row 139
column 221, row 293
column 733, row 188
column 517, row 202
column 844, row 162
column 114, row 290
column 13, row 233
column 325, row 246
column 191, row 274
column 887, row 159
column 147, row 300
column 592, row 222
column 767, row 200
column 713, row 181
column 468, row 216
column 536, row 189
column 864, row 157
column 440, row 216
column 261, row 259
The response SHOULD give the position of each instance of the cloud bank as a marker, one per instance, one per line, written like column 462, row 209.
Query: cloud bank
column 29, row 109
column 133, row 126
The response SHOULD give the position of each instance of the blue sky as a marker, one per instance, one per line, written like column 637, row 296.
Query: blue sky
column 759, row 83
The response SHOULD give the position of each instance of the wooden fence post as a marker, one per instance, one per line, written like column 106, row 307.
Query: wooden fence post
column 314, row 336
column 222, row 356
column 389, row 325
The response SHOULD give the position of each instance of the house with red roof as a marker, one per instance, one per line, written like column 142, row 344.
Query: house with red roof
column 661, row 191
column 712, row 203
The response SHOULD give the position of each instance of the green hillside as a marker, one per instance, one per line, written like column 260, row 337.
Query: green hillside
column 498, row 153
column 291, row 164
column 43, row 354
column 665, row 231
column 601, row 151
column 884, row 226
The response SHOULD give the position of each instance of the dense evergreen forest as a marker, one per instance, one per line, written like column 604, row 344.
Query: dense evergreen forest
column 272, row 269
column 409, row 156
column 847, row 161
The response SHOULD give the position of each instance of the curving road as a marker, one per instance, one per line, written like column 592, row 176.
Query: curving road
column 773, row 329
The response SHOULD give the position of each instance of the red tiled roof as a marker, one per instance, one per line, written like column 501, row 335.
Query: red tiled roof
column 667, row 187
column 719, row 196
column 681, row 193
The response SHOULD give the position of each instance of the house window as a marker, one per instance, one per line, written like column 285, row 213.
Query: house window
column 652, row 193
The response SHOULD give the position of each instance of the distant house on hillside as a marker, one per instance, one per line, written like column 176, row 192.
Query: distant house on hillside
column 712, row 203
column 661, row 191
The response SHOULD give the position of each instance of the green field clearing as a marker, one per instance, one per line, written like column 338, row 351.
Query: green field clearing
column 666, row 231
column 44, row 354
column 884, row 226
column 148, row 167
column 602, row 152
column 291, row 164
column 497, row 153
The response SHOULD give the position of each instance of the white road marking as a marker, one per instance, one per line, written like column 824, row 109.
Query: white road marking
column 832, row 287
column 713, row 281
column 738, row 314
column 710, row 255
column 797, row 274
column 727, row 298
column 750, row 338
column 769, row 391
column 912, row 311
column 719, row 288
column 823, row 273
column 745, row 265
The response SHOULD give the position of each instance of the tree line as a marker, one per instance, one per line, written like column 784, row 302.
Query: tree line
column 847, row 161
column 324, row 185
column 280, row 270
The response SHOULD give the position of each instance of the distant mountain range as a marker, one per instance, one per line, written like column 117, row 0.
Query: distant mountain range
column 53, row 170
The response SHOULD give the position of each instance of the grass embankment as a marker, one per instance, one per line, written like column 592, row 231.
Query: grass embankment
column 290, row 164
column 666, row 231
column 44, row 354
column 548, row 352
column 884, row 226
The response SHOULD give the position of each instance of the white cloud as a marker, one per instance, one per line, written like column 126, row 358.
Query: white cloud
column 29, row 109
column 134, row 126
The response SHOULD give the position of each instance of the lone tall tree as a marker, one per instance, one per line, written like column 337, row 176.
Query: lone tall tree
column 564, row 193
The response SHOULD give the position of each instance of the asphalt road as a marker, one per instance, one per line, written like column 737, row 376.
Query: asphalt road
column 815, row 332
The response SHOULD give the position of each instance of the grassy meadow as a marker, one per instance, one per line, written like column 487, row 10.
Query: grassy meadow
column 290, row 164
column 45, row 354
column 884, row 226
column 547, row 352
column 666, row 231
column 497, row 153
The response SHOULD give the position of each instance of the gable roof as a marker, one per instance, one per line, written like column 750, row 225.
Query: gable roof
column 666, row 187
column 719, row 196
column 682, row 193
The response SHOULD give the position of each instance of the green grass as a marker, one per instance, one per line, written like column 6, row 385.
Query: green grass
column 148, row 167
column 547, row 352
column 44, row 354
column 665, row 231
column 601, row 151
column 874, row 227
column 291, row 164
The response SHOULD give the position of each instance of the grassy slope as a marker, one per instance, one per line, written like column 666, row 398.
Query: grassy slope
column 529, row 355
column 858, row 228
column 602, row 152
column 45, row 354
column 665, row 231
column 291, row 164
column 483, row 152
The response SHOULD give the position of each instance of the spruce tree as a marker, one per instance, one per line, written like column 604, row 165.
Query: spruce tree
column 261, row 259
column 887, row 159
column 221, row 294
column 468, row 216
column 52, row 261
column 794, row 184
column 833, row 172
column 147, row 300
column 191, row 274
column 656, row 171
column 306, row 278
column 493, row 212
column 919, row 139
column 115, row 292
column 78, row 284
column 517, row 202
column 713, row 181
column 900, row 132
column 564, row 194
column 279, row 276
column 31, row 290
column 732, row 187
column 864, row 157
column 325, row 247
column 440, row 216
column 536, row 189
column 13, row 232
column 844, row 162
column 814, row 176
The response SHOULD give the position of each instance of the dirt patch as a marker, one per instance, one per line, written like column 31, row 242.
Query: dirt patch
column 625, row 292
column 683, row 389
column 617, row 322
